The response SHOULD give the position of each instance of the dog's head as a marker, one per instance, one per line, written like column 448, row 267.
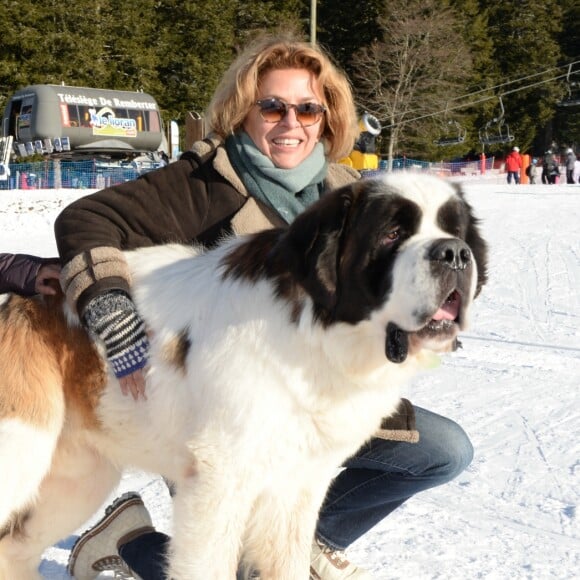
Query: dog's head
column 403, row 251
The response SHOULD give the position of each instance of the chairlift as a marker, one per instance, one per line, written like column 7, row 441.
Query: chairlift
column 496, row 130
column 573, row 98
column 457, row 137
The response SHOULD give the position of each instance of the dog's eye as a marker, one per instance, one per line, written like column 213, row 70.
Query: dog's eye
column 392, row 236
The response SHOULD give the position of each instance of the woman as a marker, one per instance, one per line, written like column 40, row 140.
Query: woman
column 28, row 275
column 280, row 119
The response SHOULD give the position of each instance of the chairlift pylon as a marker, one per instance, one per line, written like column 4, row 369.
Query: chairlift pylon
column 496, row 130
column 573, row 98
column 458, row 136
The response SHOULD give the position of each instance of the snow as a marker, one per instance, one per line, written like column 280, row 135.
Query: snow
column 513, row 387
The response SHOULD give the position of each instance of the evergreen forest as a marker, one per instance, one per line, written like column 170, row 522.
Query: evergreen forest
column 426, row 69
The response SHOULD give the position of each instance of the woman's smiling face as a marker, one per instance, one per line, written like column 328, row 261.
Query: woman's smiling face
column 287, row 143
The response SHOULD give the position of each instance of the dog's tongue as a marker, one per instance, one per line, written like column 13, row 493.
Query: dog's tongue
column 449, row 310
column 397, row 343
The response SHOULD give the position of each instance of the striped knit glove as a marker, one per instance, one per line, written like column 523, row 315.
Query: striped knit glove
column 114, row 319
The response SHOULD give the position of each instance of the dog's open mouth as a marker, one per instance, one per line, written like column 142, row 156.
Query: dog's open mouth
column 441, row 327
column 447, row 315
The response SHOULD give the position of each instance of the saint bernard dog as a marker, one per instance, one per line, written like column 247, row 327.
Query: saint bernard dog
column 273, row 358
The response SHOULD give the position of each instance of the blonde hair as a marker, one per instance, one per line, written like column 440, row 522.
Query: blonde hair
column 237, row 92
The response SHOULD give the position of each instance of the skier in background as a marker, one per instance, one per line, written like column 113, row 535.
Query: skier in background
column 513, row 165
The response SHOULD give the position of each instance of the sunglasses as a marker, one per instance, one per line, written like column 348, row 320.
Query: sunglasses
column 274, row 110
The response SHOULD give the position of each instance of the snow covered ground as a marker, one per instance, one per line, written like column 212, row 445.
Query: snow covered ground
column 513, row 387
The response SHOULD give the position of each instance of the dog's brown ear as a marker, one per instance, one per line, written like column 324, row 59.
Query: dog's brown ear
column 313, row 243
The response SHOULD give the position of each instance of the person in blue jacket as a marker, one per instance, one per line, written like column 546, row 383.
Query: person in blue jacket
column 28, row 275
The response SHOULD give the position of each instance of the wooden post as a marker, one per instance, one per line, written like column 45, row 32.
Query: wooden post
column 194, row 129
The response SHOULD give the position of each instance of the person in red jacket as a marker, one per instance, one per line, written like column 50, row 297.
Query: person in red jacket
column 513, row 165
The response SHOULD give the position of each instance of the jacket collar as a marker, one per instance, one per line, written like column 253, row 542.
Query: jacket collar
column 338, row 173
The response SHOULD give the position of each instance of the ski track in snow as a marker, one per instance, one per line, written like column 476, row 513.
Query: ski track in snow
column 513, row 387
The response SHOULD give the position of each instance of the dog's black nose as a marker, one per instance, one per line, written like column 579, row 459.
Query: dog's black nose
column 453, row 253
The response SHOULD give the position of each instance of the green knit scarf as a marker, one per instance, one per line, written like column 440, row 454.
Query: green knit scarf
column 287, row 191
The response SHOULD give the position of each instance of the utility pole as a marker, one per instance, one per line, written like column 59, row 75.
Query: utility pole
column 312, row 22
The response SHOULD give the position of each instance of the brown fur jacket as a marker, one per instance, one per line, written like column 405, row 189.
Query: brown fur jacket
column 198, row 199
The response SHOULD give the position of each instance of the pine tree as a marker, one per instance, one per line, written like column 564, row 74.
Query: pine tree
column 177, row 51
column 567, row 119
column 129, row 52
column 525, row 42
column 198, row 41
column 49, row 42
column 345, row 27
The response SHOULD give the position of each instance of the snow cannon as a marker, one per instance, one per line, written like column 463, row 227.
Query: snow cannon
column 363, row 156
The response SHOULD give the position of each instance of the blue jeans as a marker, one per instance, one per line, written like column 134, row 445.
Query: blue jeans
column 384, row 474
column 145, row 555
column 377, row 480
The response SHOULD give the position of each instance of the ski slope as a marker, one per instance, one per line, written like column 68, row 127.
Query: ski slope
column 513, row 387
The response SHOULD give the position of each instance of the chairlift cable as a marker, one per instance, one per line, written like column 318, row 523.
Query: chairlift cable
column 488, row 97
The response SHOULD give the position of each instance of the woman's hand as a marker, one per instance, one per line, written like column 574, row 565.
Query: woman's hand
column 113, row 317
column 134, row 384
column 46, row 273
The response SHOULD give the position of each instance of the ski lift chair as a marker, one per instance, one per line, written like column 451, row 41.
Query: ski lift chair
column 496, row 130
column 455, row 139
column 573, row 98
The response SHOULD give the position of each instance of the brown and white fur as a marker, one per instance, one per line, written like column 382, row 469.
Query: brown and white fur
column 273, row 358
